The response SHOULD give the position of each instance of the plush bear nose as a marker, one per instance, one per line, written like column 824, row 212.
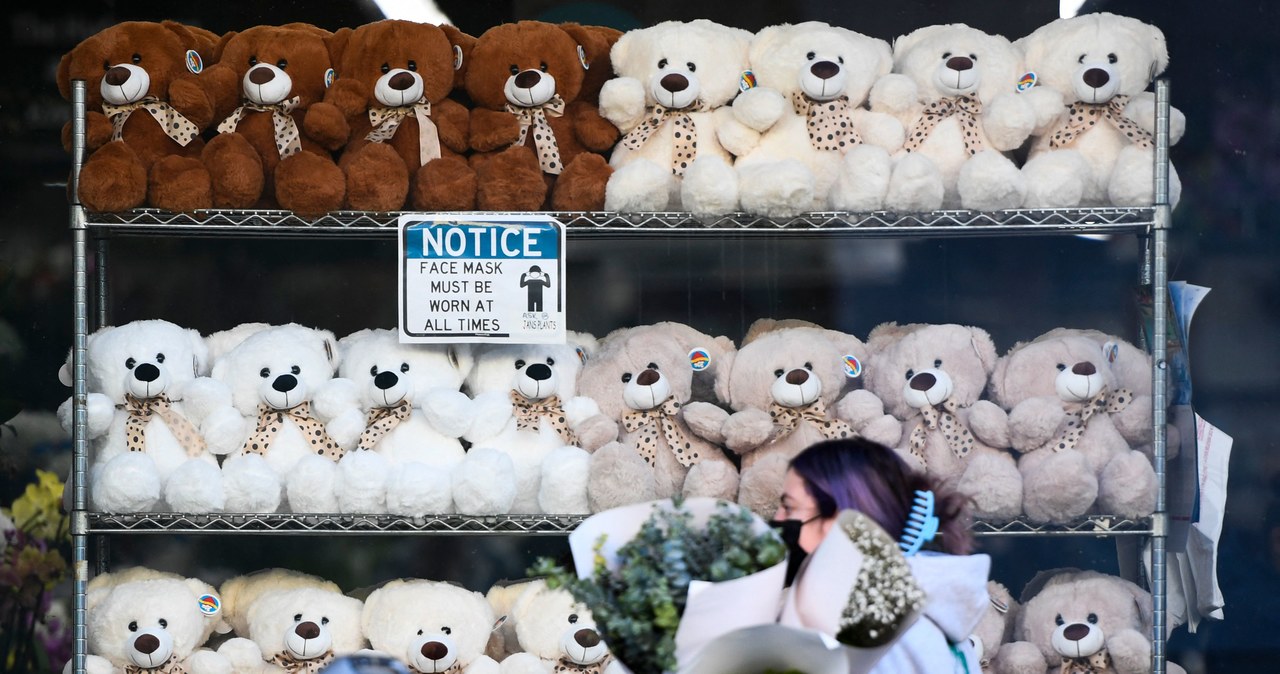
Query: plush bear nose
column 586, row 637
column 1086, row 369
column 674, row 82
column 385, row 380
column 1076, row 631
column 285, row 383
column 1096, row 77
column 528, row 78
column 146, row 643
column 400, row 81
column 797, row 377
column 923, row 381
column 824, row 69
column 434, row 650
column 648, row 378
column 146, row 372
column 117, row 76
column 261, row 75
column 959, row 63
column 307, row 630
column 538, row 372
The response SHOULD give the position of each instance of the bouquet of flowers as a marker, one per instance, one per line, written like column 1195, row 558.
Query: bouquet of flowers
column 31, row 566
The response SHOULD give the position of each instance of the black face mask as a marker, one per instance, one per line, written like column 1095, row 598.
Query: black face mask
column 789, row 532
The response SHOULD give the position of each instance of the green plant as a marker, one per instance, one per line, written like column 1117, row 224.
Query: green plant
column 638, row 605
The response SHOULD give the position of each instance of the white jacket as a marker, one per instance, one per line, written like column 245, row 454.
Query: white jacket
column 956, row 597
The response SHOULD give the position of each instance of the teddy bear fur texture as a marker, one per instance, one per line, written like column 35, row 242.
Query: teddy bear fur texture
column 431, row 626
column 145, row 110
column 555, row 632
column 1098, row 147
column 1061, row 395
column 278, row 452
column 932, row 377
column 953, row 89
column 400, row 424
column 148, row 452
column 276, row 134
column 995, row 629
column 408, row 137
column 671, row 100
column 642, row 377
column 238, row 593
column 297, row 630
column 532, row 145
column 150, row 621
column 820, row 148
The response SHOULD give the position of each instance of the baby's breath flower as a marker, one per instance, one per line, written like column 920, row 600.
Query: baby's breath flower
column 885, row 593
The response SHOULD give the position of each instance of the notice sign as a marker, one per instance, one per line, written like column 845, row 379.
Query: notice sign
column 475, row 277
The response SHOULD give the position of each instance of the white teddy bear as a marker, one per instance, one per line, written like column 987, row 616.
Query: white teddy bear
column 403, row 416
column 431, row 626
column 819, row 148
column 529, row 431
column 148, row 452
column 555, row 633
column 239, row 593
column 151, row 622
column 670, row 98
column 295, row 631
column 955, row 90
column 268, row 430
column 1098, row 147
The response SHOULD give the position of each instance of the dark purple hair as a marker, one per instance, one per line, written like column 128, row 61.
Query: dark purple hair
column 866, row 476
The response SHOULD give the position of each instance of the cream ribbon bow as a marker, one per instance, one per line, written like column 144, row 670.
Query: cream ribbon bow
column 141, row 411
column 294, row 665
column 1079, row 414
column 530, row 413
column 170, row 666
column 660, row 419
column 174, row 124
column 385, row 121
column 288, row 140
column 966, row 109
column 382, row 420
column 1084, row 116
column 1094, row 664
column 270, row 421
column 685, row 148
column 564, row 666
column 943, row 415
column 830, row 123
column 787, row 418
column 543, row 137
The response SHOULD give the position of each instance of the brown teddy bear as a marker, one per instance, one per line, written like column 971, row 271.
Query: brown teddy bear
column 277, row 134
column 145, row 112
column 407, row 136
column 529, row 138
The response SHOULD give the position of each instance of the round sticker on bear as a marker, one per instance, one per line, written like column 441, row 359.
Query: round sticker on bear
column 852, row 367
column 194, row 63
column 209, row 604
column 699, row 359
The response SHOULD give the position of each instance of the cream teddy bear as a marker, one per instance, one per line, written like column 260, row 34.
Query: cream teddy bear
column 239, row 592
column 431, row 626
column 298, row 630
column 995, row 629
column 555, row 633
column 820, row 149
column 1098, row 148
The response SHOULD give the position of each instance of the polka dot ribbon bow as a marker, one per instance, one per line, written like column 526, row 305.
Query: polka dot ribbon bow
column 966, row 109
column 830, row 122
column 292, row 665
column 686, row 144
column 142, row 410
column 383, row 420
column 270, row 420
column 943, row 417
column 787, row 418
column 530, row 414
column 288, row 141
column 1078, row 418
column 1084, row 116
column 661, row 418
column 565, row 666
column 175, row 125
column 543, row 137
column 1094, row 664
column 386, row 120
column 170, row 666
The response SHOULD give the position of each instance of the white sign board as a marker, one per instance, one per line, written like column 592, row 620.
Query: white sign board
column 479, row 277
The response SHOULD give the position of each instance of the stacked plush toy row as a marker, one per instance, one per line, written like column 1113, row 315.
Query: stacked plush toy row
column 692, row 116
column 263, row 418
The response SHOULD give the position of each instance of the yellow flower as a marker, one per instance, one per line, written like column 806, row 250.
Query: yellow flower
column 38, row 510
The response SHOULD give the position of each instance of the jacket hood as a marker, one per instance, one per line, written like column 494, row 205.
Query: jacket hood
column 956, row 588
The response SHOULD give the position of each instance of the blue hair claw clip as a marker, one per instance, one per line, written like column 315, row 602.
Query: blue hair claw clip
column 921, row 526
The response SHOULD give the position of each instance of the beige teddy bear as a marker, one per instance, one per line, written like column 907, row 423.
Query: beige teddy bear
column 995, row 629
column 555, row 633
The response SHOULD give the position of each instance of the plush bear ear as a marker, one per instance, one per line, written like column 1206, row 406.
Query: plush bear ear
column 462, row 45
column 723, row 370
column 983, row 345
column 222, row 45
column 337, row 46
column 330, row 349
column 199, row 352
column 64, row 75
column 1159, row 50
column 204, row 42
column 462, row 358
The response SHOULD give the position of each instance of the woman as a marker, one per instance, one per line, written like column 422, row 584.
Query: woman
column 857, row 474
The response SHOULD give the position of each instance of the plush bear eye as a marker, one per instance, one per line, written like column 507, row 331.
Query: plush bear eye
column 413, row 66
column 373, row 371
column 662, row 64
column 515, row 70
column 133, row 626
column 1112, row 58
column 1092, row 618
column 295, row 369
column 297, row 617
column 777, row 372
column 446, row 630
column 808, row 366
column 910, row 374
column 542, row 66
column 253, row 60
column 811, row 56
column 106, row 65
column 937, row 362
column 129, row 363
column 652, row 366
column 159, row 357
column 264, row 372
column 626, row 377
column 1060, row 367
column 404, row 367
column 1081, row 61
column 419, row 632
column 519, row 364
column 164, row 623
column 137, row 58
column 691, row 66
column 324, row 620
column 840, row 59
column 282, row 64
column 573, row 618
column 946, row 55
column 1058, row 620
column 973, row 57
column 551, row 361
column 386, row 68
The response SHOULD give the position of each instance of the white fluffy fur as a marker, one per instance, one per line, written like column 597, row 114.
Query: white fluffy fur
column 402, row 617
column 301, row 622
column 551, row 627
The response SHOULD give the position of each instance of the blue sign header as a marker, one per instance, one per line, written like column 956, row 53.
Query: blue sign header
column 446, row 239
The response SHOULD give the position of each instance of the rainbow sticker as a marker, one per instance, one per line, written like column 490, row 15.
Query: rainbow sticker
column 852, row 367
column 1027, row 81
column 457, row 57
column 699, row 359
column 1112, row 351
column 747, row 80
column 209, row 604
column 194, row 63
column 329, row 76
column 582, row 58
